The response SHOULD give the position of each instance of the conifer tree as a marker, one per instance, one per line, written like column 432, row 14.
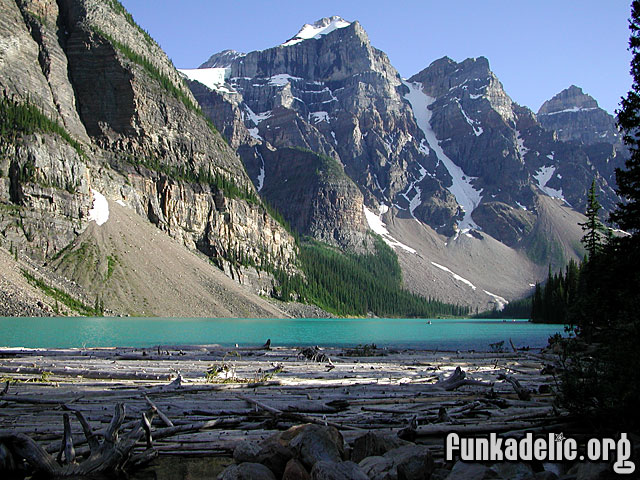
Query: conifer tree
column 592, row 239
column 627, row 214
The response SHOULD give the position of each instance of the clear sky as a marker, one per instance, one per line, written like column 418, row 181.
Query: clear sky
column 535, row 47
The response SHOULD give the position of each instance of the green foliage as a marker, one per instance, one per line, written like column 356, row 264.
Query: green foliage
column 515, row 309
column 358, row 285
column 552, row 303
column 593, row 228
column 24, row 118
column 627, row 214
column 204, row 176
column 62, row 297
column 153, row 72
column 601, row 378
column 111, row 263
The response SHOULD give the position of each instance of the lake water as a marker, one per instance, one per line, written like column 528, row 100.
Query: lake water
column 450, row 334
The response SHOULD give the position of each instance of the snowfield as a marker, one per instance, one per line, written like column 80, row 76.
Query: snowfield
column 377, row 225
column 466, row 195
column 317, row 30
column 99, row 212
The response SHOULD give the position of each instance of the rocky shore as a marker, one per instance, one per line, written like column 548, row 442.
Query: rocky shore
column 293, row 413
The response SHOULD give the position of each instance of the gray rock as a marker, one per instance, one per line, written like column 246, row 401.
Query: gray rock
column 513, row 471
column 324, row 470
column 546, row 475
column 410, row 462
column 246, row 452
column 374, row 443
column 294, row 470
column 247, row 471
column 471, row 471
column 314, row 443
column 590, row 471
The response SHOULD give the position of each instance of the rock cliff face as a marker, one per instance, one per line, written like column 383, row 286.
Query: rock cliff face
column 128, row 127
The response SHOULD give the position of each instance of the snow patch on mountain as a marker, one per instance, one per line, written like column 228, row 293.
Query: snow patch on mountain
column 214, row 78
column 261, row 174
column 466, row 195
column 500, row 301
column 317, row 30
column 281, row 79
column 476, row 129
column 319, row 117
column 99, row 212
column 542, row 176
column 520, row 141
column 572, row 109
column 454, row 275
column 378, row 226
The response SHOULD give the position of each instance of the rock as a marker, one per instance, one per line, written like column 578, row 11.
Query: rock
column 574, row 115
column 374, row 444
column 246, row 452
column 324, row 470
column 274, row 456
column 313, row 443
column 294, row 470
column 247, row 471
column 410, row 462
column 546, row 475
column 590, row 471
column 377, row 467
column 270, row 453
column 513, row 471
column 471, row 471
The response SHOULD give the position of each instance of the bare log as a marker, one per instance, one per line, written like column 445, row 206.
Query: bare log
column 523, row 393
column 161, row 415
column 292, row 415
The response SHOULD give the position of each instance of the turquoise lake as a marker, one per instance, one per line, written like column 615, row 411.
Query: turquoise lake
column 449, row 334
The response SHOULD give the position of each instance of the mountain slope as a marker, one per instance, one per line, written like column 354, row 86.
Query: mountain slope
column 131, row 266
column 98, row 106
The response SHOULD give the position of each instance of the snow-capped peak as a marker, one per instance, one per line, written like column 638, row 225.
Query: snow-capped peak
column 322, row 27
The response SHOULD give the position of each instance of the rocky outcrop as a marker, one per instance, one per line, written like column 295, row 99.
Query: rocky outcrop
column 125, row 124
column 313, row 193
column 574, row 115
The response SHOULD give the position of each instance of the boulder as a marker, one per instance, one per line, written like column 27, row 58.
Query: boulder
column 410, row 462
column 314, row 443
column 471, row 471
column 374, row 443
column 324, row 470
column 513, row 471
column 247, row 471
column 294, row 470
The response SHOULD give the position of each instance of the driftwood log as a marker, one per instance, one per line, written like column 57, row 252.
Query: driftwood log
column 108, row 456
column 523, row 393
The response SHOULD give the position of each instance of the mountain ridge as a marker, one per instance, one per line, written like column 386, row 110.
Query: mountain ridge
column 462, row 158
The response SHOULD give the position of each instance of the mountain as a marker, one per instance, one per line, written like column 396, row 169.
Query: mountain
column 476, row 194
column 94, row 115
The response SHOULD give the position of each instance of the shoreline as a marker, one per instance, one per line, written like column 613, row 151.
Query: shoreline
column 357, row 391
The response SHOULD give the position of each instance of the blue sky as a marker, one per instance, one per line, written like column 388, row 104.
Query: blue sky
column 535, row 47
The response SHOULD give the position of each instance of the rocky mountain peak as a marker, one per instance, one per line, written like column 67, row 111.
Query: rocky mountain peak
column 222, row 59
column 576, row 116
column 568, row 100
column 322, row 27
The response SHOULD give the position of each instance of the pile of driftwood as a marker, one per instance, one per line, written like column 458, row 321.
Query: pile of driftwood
column 167, row 403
